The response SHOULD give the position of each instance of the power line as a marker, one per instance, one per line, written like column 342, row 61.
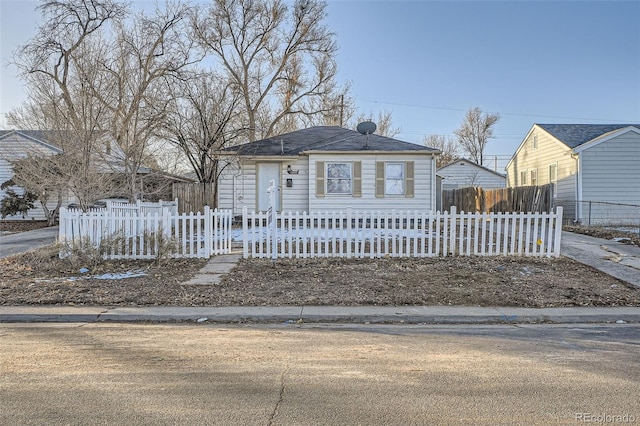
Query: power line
column 497, row 112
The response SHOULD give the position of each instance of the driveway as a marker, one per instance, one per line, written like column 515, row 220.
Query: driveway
column 24, row 241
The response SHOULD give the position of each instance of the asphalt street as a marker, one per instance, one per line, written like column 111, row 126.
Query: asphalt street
column 320, row 374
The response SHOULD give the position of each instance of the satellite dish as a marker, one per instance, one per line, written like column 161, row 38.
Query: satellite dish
column 366, row 127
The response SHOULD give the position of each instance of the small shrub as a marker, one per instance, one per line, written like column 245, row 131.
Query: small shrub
column 85, row 253
column 162, row 246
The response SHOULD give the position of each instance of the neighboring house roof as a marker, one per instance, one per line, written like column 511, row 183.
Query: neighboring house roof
column 325, row 139
column 574, row 135
column 39, row 136
column 457, row 161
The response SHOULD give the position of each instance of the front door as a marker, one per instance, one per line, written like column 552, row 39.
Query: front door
column 265, row 173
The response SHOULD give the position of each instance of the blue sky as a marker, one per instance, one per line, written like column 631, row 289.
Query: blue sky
column 428, row 62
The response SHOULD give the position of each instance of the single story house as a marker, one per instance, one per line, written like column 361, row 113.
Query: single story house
column 463, row 173
column 329, row 168
column 15, row 144
column 594, row 168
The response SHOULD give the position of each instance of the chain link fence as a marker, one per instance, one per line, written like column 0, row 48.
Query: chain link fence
column 625, row 217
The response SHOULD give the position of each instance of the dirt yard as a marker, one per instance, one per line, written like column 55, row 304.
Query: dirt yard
column 39, row 277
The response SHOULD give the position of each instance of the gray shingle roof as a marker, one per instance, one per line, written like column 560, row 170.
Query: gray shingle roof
column 574, row 135
column 325, row 138
column 45, row 136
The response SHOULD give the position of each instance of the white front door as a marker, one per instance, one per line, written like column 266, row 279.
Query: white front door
column 265, row 173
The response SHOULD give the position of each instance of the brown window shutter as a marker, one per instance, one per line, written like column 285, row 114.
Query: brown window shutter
column 357, row 178
column 319, row 178
column 379, row 179
column 409, row 179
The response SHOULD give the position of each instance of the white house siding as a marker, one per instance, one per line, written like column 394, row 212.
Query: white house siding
column 610, row 171
column 14, row 146
column 295, row 198
column 424, row 175
column 464, row 173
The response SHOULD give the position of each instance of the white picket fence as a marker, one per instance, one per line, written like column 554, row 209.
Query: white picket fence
column 348, row 234
column 130, row 234
column 373, row 234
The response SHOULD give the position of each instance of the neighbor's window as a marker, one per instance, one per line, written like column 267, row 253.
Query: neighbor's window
column 394, row 179
column 523, row 178
column 339, row 178
column 553, row 178
column 553, row 173
column 534, row 177
column 535, row 141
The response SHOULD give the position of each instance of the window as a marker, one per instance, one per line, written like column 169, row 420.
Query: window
column 394, row 179
column 553, row 173
column 535, row 141
column 339, row 178
column 523, row 178
column 553, row 178
column 534, row 177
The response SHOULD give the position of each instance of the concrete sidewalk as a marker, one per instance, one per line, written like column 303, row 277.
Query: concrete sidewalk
column 323, row 314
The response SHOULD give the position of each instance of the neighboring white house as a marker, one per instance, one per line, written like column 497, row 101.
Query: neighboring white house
column 16, row 144
column 463, row 173
column 330, row 168
column 590, row 165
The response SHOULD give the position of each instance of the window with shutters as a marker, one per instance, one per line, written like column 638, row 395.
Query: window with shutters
column 395, row 178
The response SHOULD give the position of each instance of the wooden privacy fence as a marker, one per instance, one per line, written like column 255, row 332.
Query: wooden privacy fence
column 519, row 199
column 193, row 197
column 132, row 235
column 373, row 234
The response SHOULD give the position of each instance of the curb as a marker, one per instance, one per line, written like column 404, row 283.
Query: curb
column 321, row 314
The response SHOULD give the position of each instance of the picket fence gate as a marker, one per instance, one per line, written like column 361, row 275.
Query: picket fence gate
column 122, row 234
column 372, row 234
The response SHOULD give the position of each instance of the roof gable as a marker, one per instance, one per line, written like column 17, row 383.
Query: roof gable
column 38, row 136
column 574, row 135
column 471, row 163
column 325, row 139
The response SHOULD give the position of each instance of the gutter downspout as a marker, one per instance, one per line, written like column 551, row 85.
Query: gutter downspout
column 578, row 205
column 434, row 185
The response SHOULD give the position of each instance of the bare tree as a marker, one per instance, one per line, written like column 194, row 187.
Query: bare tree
column 57, row 65
column 475, row 131
column 384, row 123
column 202, row 122
column 148, row 55
column 92, row 69
column 280, row 58
column 447, row 145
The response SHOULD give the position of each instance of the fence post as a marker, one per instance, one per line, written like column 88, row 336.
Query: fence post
column 245, row 232
column 452, row 230
column 349, row 232
column 208, row 232
column 556, row 239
